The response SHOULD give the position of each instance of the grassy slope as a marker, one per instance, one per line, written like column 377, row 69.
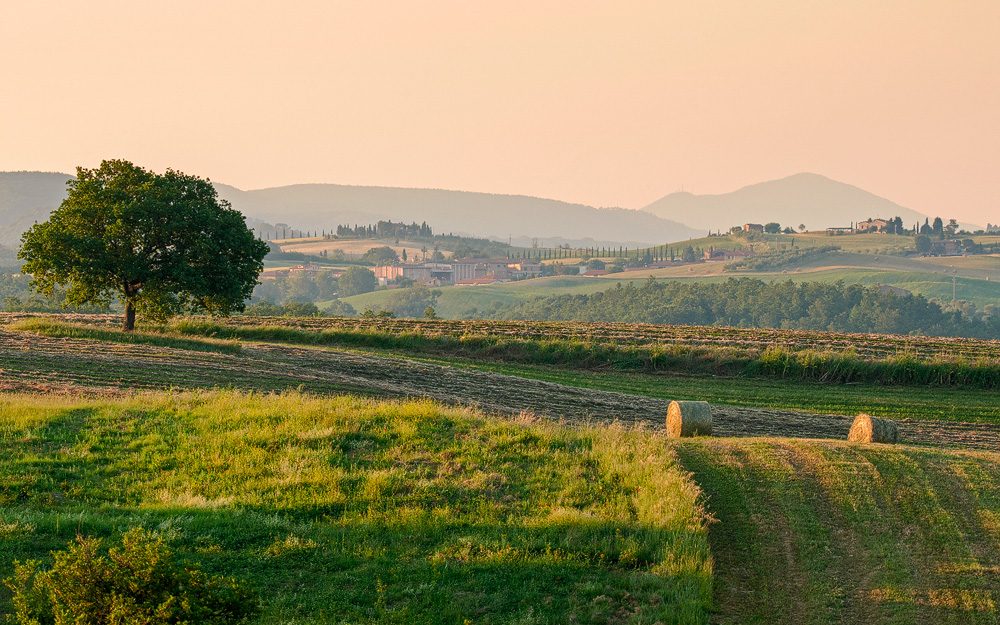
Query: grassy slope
column 807, row 531
column 978, row 279
column 830, row 532
column 348, row 510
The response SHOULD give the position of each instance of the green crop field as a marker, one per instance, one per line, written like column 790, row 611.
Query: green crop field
column 395, row 471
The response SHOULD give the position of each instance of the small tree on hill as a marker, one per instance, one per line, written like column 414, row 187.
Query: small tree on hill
column 922, row 243
column 384, row 255
column 355, row 281
column 772, row 227
column 161, row 244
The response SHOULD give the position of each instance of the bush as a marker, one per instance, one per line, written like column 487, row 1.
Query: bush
column 138, row 582
column 338, row 308
column 300, row 309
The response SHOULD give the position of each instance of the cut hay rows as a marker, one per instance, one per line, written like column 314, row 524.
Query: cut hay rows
column 33, row 363
column 753, row 341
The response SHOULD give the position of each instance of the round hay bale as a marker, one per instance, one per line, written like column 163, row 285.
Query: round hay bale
column 689, row 418
column 868, row 429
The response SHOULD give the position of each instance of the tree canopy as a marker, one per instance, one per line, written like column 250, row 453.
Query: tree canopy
column 384, row 255
column 357, row 280
column 161, row 244
column 753, row 303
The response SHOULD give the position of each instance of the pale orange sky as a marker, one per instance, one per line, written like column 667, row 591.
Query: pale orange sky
column 603, row 103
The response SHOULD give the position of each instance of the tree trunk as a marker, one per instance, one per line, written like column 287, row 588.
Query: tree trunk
column 129, row 323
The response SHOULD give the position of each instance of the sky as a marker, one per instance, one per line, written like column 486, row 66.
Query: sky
column 602, row 103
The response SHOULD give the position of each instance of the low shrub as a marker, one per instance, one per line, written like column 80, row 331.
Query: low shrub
column 137, row 582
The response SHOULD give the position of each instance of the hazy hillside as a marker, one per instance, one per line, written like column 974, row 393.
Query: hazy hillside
column 27, row 197
column 810, row 199
column 319, row 206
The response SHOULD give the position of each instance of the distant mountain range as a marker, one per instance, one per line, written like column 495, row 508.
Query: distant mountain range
column 324, row 206
column 810, row 199
column 27, row 197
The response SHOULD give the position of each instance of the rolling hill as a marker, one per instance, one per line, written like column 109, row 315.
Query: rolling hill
column 26, row 197
column 810, row 199
column 324, row 206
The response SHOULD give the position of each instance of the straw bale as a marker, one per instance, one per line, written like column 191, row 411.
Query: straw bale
column 689, row 418
column 868, row 429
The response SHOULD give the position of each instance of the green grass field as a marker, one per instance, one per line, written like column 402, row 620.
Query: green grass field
column 337, row 508
column 345, row 510
column 353, row 511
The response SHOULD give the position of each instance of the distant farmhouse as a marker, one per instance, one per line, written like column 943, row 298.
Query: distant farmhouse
column 873, row 225
column 462, row 271
column 948, row 247
column 753, row 227
column 993, row 228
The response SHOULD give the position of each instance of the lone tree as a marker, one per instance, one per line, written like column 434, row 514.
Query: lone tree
column 161, row 244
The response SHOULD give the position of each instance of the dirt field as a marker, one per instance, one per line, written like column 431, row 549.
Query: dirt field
column 33, row 363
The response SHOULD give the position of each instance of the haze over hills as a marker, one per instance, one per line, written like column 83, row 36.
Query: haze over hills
column 26, row 197
column 324, row 206
column 814, row 200
column 810, row 199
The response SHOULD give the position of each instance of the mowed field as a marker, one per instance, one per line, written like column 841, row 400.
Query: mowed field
column 377, row 484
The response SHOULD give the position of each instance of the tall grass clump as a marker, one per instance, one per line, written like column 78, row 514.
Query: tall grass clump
column 356, row 510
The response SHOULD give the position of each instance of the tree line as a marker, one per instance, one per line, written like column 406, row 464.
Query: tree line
column 750, row 302
column 384, row 229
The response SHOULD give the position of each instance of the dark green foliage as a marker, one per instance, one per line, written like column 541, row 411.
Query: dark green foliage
column 300, row 309
column 340, row 308
column 355, row 281
column 161, row 244
column 922, row 243
column 383, row 255
column 752, row 303
column 412, row 301
column 136, row 583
